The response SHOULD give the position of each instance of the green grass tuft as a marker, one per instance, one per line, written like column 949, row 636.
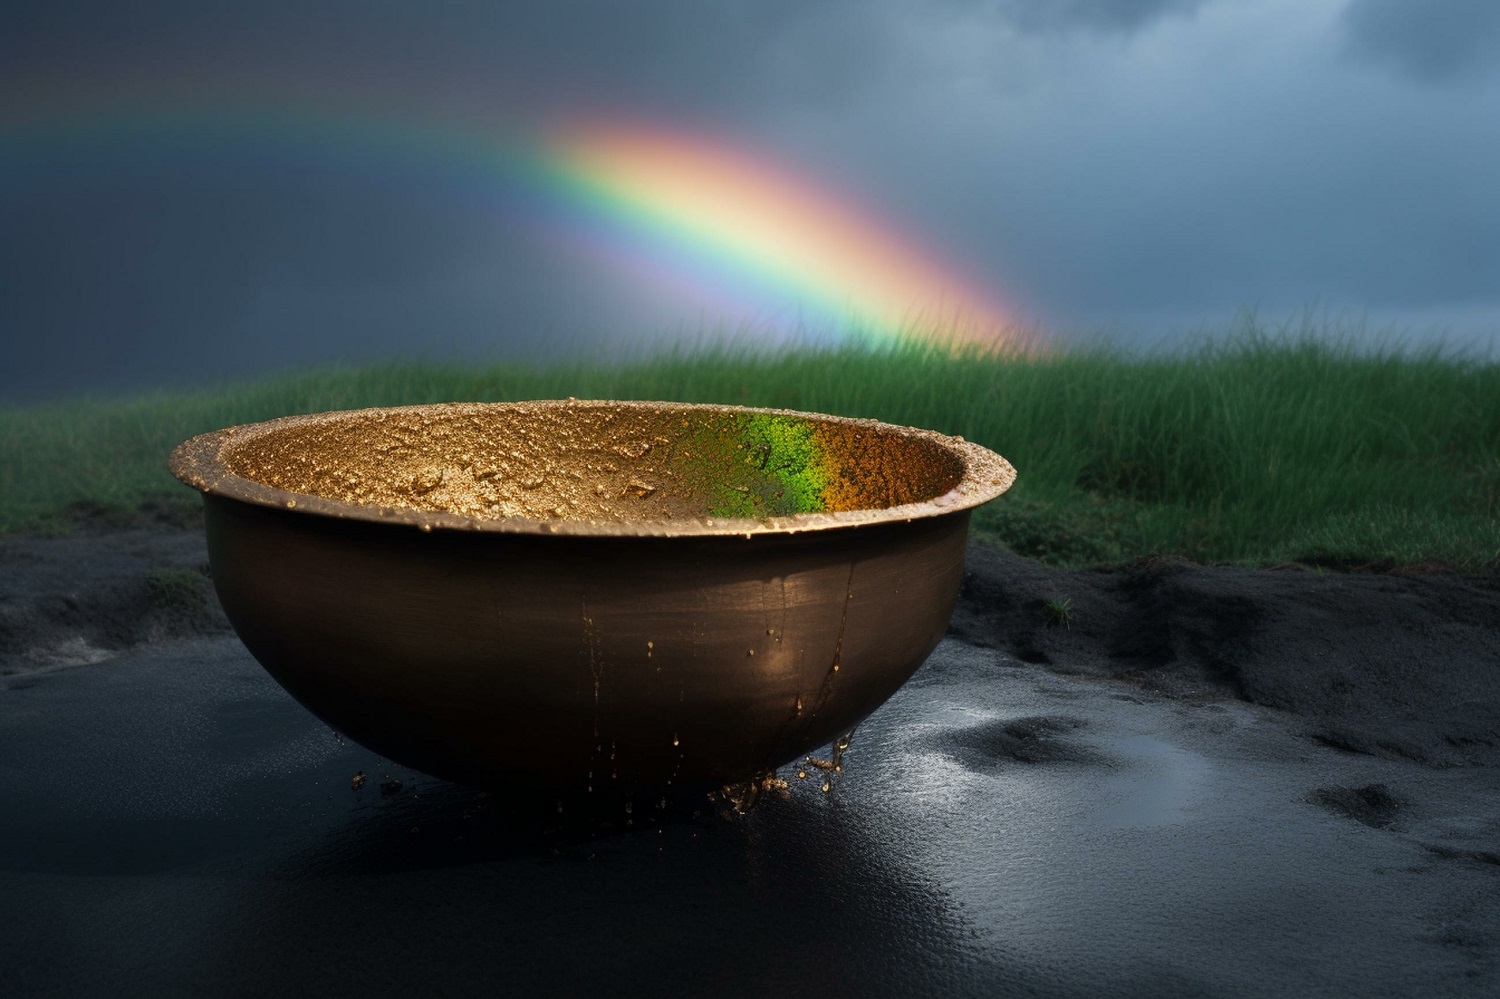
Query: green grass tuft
column 175, row 589
column 1059, row 612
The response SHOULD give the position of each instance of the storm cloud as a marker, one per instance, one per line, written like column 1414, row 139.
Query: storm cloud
column 1099, row 15
column 1144, row 168
column 1436, row 41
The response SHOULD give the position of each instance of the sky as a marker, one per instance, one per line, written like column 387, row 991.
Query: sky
column 194, row 192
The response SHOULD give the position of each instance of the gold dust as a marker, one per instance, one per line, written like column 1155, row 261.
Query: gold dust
column 590, row 462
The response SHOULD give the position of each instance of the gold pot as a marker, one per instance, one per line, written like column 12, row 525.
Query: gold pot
column 593, row 593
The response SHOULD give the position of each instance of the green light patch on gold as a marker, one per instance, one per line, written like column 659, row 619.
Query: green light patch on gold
column 757, row 465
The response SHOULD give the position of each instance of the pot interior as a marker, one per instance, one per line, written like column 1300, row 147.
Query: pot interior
column 618, row 463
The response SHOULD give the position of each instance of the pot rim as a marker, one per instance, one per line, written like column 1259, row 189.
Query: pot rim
column 199, row 462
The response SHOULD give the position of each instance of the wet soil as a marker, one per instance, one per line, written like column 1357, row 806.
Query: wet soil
column 1169, row 779
column 90, row 595
column 1391, row 664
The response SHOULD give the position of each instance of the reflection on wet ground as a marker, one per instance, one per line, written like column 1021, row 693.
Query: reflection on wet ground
column 175, row 823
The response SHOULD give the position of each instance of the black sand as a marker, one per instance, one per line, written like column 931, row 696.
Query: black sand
column 1400, row 666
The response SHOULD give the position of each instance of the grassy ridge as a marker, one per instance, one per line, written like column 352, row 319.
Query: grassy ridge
column 1256, row 450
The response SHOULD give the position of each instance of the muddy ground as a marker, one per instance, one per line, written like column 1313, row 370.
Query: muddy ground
column 1164, row 780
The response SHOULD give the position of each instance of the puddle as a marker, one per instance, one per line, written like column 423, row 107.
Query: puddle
column 1156, row 783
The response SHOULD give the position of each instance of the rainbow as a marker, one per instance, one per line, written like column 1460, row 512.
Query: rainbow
column 689, row 210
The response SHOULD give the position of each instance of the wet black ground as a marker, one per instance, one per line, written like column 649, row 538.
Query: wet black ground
column 173, row 823
column 1204, row 781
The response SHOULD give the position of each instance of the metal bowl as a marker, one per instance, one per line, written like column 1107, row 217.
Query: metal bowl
column 590, row 593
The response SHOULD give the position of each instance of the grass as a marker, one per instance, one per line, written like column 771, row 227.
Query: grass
column 175, row 589
column 1059, row 612
column 1255, row 449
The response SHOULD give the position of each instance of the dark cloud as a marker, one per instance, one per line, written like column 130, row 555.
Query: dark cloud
column 724, row 55
column 714, row 57
column 1224, row 163
column 1436, row 41
column 1121, row 16
column 122, row 275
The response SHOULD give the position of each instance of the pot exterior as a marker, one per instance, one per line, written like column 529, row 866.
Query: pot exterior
column 620, row 662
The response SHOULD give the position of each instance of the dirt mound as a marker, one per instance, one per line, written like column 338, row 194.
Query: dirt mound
column 82, row 598
column 1403, row 666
